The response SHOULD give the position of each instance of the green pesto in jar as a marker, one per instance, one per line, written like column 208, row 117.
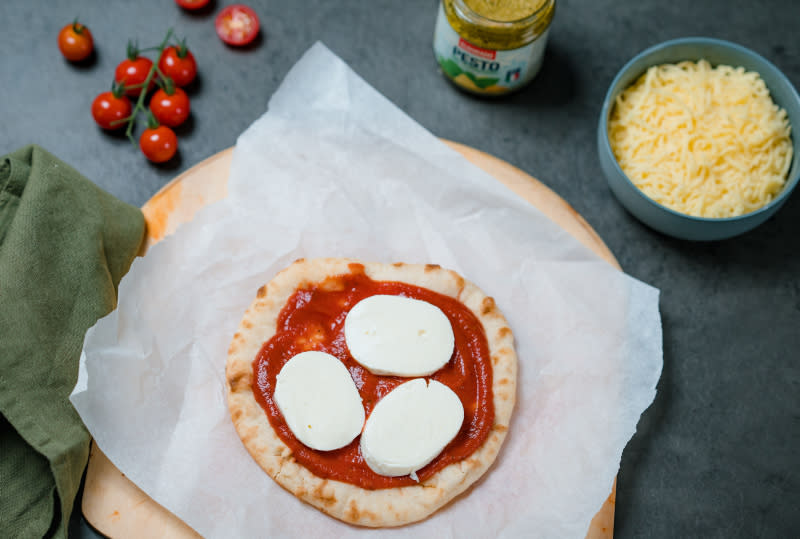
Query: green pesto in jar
column 505, row 10
column 492, row 47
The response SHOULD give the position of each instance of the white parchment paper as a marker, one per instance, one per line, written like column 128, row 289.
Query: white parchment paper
column 334, row 169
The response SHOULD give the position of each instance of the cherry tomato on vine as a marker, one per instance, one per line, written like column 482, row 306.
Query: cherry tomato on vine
column 133, row 71
column 158, row 143
column 170, row 109
column 192, row 4
column 75, row 42
column 237, row 25
column 109, row 109
column 178, row 64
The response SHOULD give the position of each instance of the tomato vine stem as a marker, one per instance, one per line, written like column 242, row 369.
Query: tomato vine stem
column 139, row 106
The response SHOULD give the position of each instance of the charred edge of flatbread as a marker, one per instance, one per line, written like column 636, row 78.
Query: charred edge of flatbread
column 346, row 502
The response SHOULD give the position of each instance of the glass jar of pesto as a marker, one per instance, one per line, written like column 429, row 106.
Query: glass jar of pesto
column 492, row 47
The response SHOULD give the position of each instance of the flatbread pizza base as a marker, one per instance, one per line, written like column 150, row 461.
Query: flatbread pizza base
column 347, row 502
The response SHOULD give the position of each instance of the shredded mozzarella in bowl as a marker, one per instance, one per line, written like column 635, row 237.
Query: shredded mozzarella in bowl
column 701, row 140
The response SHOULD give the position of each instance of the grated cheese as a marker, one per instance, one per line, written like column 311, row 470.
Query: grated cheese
column 703, row 141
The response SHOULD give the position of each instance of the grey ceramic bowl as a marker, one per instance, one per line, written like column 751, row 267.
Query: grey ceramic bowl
column 660, row 217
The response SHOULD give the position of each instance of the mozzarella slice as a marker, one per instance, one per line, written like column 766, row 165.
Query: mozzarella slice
column 399, row 336
column 319, row 401
column 410, row 426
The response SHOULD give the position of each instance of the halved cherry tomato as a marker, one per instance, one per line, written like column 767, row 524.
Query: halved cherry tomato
column 75, row 42
column 109, row 109
column 158, row 143
column 133, row 71
column 192, row 4
column 178, row 64
column 237, row 25
column 170, row 109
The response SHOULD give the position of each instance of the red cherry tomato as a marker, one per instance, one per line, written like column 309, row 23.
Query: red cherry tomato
column 158, row 144
column 192, row 4
column 170, row 109
column 237, row 25
column 178, row 64
column 75, row 42
column 132, row 72
column 110, row 108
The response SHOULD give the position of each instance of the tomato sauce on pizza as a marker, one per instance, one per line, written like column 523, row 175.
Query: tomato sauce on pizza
column 313, row 319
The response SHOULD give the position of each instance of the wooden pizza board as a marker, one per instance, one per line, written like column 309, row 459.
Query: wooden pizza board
column 116, row 507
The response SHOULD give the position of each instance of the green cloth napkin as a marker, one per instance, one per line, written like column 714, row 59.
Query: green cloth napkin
column 64, row 246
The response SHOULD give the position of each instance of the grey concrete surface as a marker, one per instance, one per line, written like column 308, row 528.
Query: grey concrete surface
column 716, row 455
